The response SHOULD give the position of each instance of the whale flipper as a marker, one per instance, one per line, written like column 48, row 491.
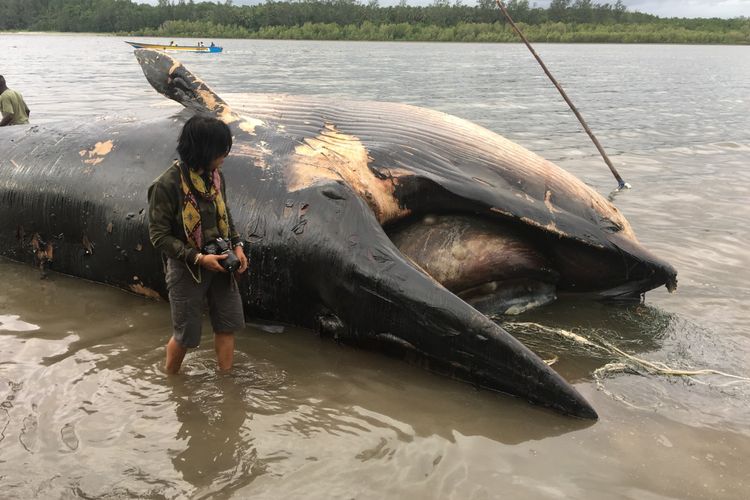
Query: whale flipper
column 170, row 78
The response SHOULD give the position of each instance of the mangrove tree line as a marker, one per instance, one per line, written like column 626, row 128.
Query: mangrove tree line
column 562, row 21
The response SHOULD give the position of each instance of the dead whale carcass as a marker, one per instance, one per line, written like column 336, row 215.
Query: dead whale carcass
column 374, row 222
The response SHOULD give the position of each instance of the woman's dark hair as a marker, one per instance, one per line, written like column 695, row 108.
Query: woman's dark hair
column 202, row 140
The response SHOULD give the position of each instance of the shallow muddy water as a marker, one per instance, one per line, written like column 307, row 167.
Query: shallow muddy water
column 85, row 410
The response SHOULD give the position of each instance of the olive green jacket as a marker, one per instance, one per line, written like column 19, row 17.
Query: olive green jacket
column 165, row 228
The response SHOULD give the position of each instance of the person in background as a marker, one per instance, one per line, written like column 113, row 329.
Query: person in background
column 171, row 44
column 12, row 106
column 188, row 213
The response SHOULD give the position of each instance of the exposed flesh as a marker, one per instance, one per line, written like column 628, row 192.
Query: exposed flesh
column 490, row 265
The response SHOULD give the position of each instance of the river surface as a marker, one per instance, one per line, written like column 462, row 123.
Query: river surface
column 85, row 410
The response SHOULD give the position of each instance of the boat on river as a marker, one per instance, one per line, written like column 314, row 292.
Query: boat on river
column 182, row 48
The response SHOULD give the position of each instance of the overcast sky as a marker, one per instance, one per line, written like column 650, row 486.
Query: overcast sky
column 662, row 8
column 681, row 8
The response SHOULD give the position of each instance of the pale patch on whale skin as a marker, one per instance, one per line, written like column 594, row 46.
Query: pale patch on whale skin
column 249, row 124
column 548, row 202
column 335, row 156
column 209, row 99
column 97, row 153
column 258, row 154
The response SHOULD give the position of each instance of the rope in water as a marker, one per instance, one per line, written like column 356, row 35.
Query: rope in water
column 621, row 184
column 653, row 367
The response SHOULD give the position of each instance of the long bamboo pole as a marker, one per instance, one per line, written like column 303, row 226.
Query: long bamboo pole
column 621, row 184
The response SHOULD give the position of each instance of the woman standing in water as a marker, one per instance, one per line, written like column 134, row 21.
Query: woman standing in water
column 190, row 223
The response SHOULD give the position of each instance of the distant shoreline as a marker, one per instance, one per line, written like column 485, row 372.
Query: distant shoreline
column 466, row 33
column 353, row 20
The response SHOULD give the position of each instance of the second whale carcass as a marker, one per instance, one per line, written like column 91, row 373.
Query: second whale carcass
column 383, row 225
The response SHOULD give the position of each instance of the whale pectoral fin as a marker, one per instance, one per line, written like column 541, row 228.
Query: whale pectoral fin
column 170, row 78
column 405, row 306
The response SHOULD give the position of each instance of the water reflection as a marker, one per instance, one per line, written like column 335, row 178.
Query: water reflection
column 216, row 430
column 11, row 322
column 341, row 390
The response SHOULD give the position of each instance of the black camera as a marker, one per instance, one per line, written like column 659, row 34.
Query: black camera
column 220, row 246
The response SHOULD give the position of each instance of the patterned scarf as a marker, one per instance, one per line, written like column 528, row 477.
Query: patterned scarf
column 191, row 184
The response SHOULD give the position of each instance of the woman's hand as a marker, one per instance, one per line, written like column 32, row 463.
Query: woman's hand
column 212, row 262
column 240, row 253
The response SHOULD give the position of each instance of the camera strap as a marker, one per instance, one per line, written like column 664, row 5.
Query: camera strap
column 199, row 278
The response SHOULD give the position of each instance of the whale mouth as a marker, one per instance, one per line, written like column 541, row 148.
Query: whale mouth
column 500, row 268
column 479, row 260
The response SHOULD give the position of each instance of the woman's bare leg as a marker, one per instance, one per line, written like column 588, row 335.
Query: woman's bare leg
column 175, row 355
column 224, row 343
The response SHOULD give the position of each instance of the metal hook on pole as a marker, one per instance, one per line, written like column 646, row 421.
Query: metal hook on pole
column 621, row 184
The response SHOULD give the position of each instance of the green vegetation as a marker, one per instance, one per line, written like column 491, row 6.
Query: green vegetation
column 563, row 21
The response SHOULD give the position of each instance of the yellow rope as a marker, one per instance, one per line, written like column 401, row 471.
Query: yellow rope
column 660, row 368
column 653, row 367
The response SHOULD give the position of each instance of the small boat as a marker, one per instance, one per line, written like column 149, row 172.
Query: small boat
column 183, row 48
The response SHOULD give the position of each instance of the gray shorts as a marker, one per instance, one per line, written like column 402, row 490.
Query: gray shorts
column 186, row 301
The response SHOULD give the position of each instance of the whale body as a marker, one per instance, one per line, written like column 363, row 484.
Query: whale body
column 382, row 225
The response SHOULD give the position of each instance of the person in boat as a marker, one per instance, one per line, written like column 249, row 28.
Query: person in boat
column 212, row 45
column 188, row 220
column 200, row 44
column 171, row 44
column 13, row 108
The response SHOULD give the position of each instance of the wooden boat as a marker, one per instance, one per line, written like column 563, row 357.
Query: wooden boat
column 182, row 48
